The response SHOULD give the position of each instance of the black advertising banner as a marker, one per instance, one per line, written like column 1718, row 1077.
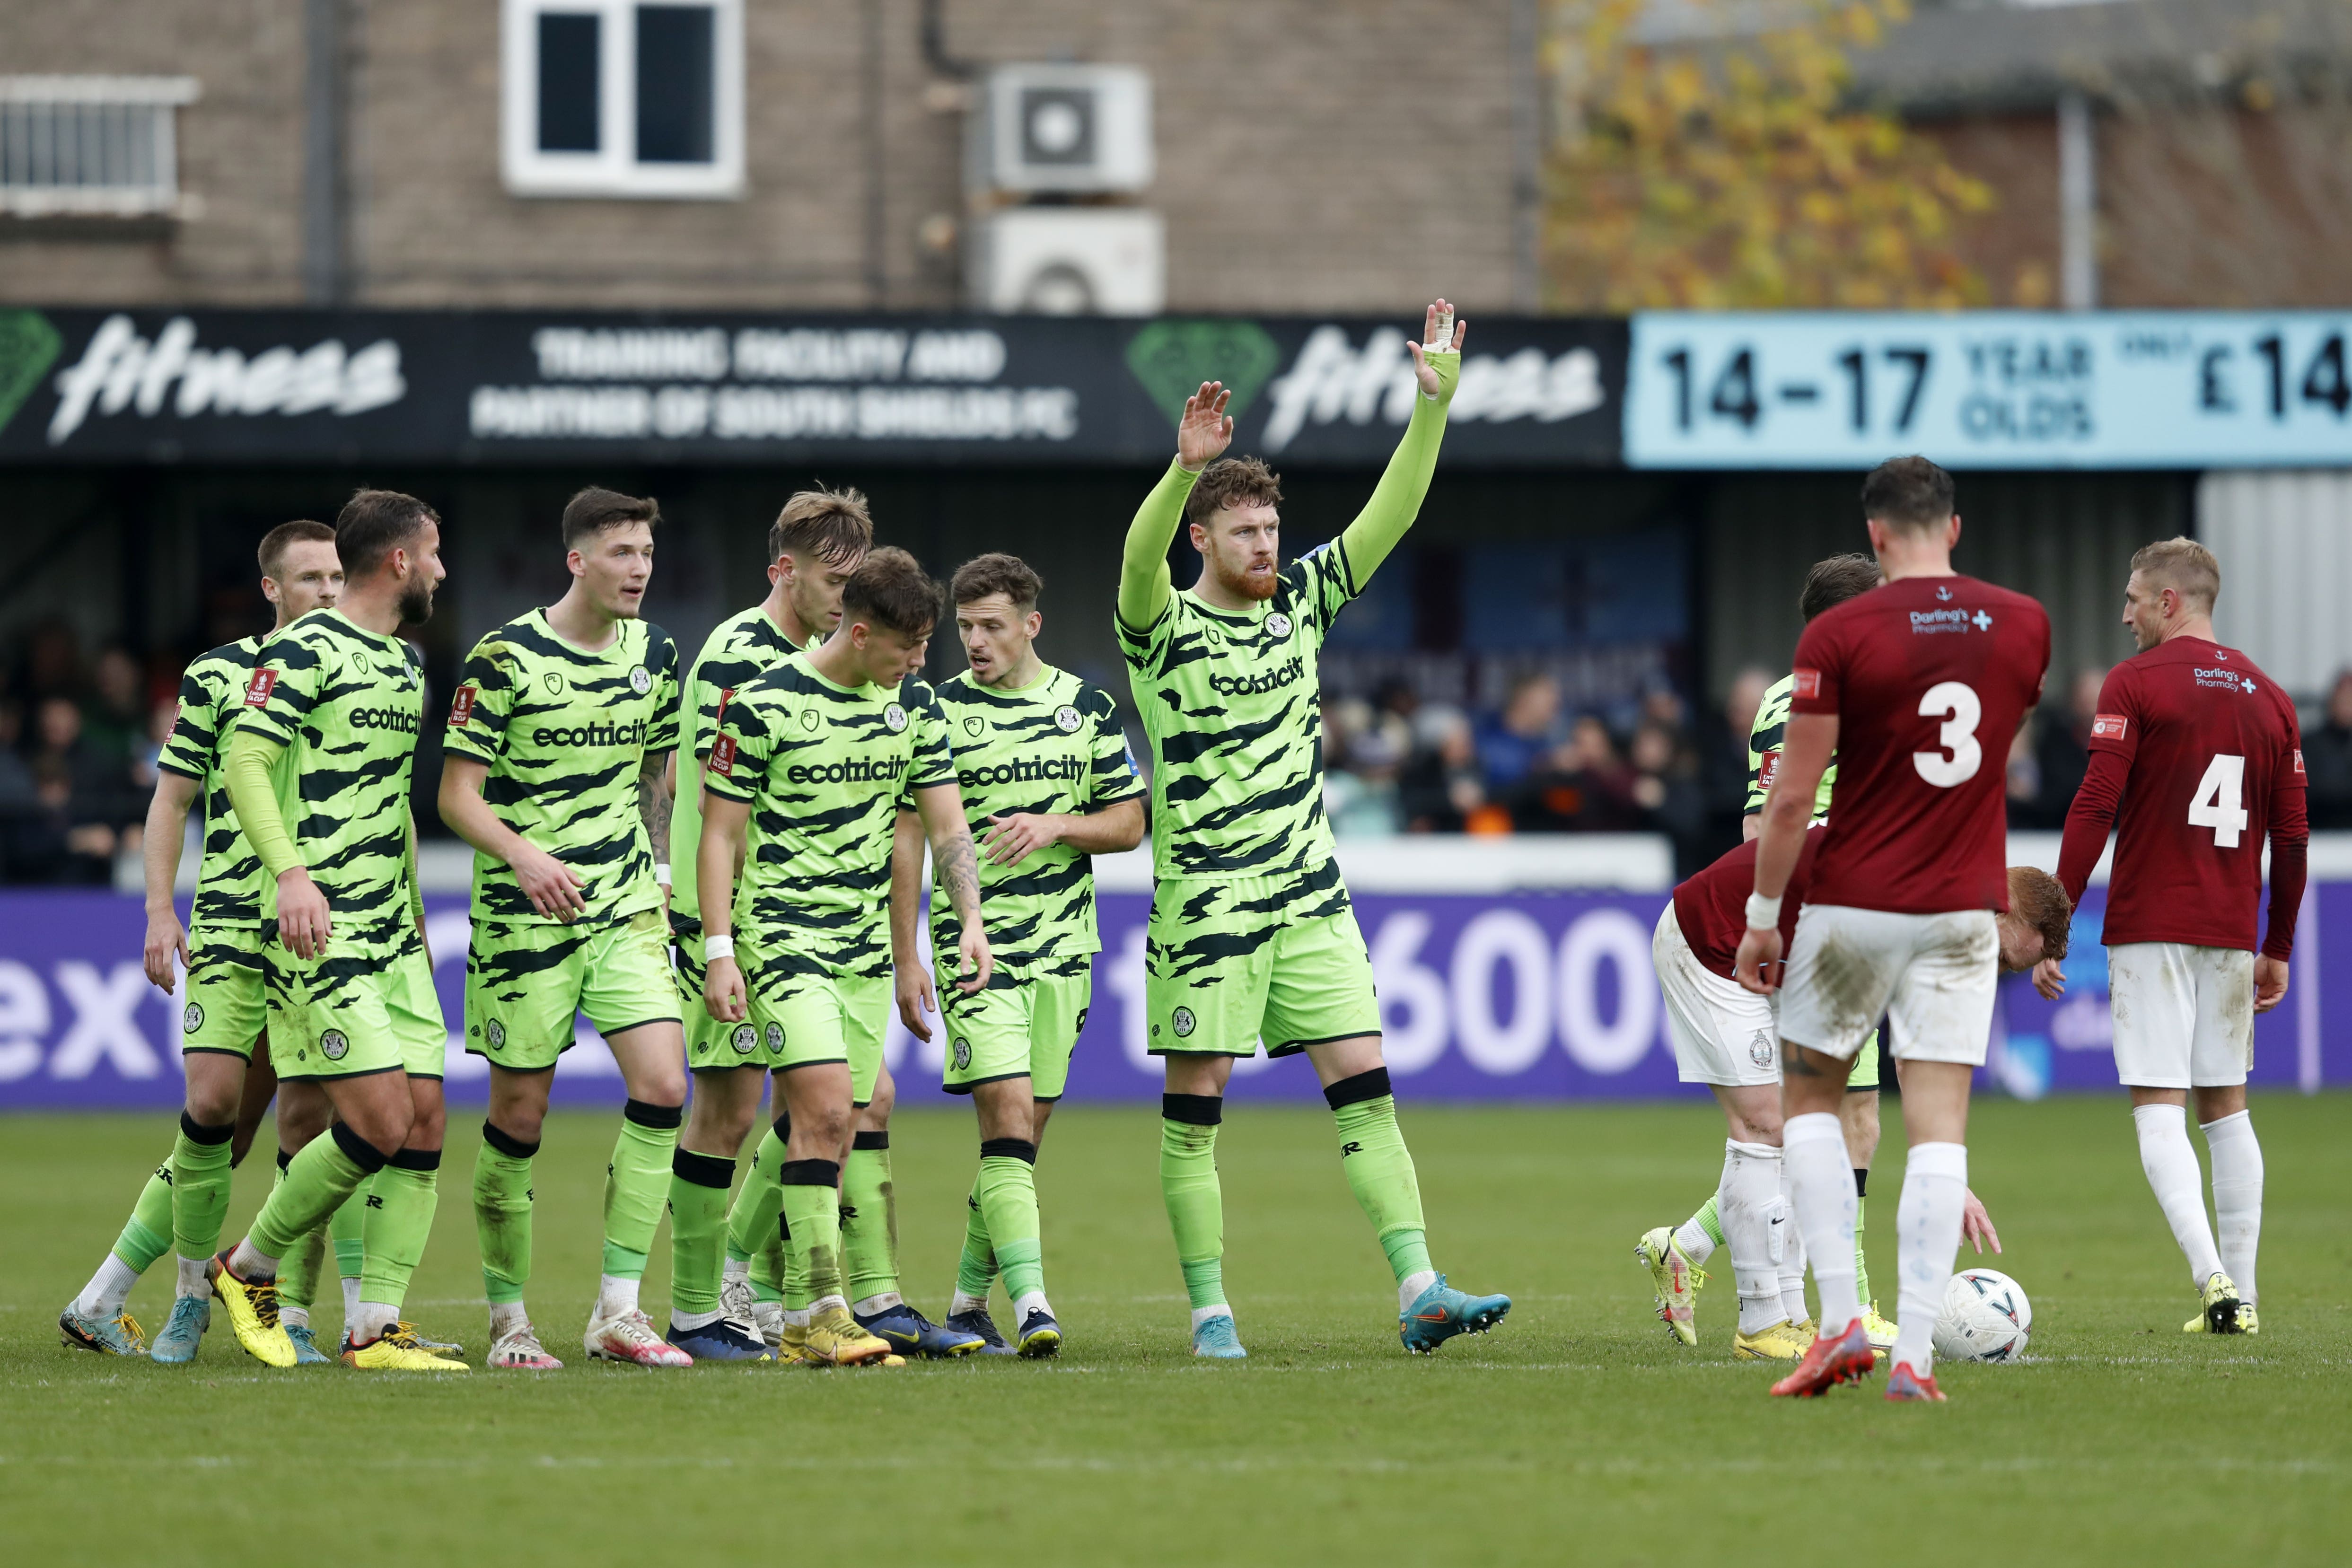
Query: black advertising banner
column 528, row 387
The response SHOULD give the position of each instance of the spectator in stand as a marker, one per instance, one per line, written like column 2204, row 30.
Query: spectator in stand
column 159, row 720
column 1723, row 755
column 1581, row 786
column 1666, row 790
column 115, row 719
column 2023, row 775
column 83, row 802
column 2063, row 752
column 1440, row 790
column 1513, row 744
column 2327, row 758
column 1363, row 751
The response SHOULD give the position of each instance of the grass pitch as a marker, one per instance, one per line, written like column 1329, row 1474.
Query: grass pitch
column 1575, row 1434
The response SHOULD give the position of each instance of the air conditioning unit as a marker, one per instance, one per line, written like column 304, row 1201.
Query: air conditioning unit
column 1071, row 261
column 1064, row 127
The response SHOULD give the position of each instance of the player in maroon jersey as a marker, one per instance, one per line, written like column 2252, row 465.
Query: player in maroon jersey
column 2203, row 751
column 1918, row 687
column 1725, row 1036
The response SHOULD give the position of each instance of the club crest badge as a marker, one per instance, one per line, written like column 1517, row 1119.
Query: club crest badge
column 640, row 680
column 744, row 1038
column 1065, row 719
column 335, row 1045
column 1182, row 1022
column 962, row 1054
column 496, row 1033
column 1759, row 1049
column 1278, row 624
column 192, row 1019
column 776, row 1036
column 896, row 717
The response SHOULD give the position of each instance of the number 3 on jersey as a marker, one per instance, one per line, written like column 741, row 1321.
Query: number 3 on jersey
column 2220, row 802
column 1955, row 703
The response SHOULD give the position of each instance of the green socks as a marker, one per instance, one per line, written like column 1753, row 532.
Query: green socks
column 502, row 1200
column 976, row 1269
column 1008, row 1202
column 399, row 1220
column 636, row 1184
column 1710, row 1219
column 200, row 1179
column 343, row 1230
column 327, row 1171
column 870, row 1219
column 812, row 1208
column 698, row 1229
column 1380, row 1168
column 1188, row 1184
column 751, row 1223
column 147, row 1234
column 1861, row 1264
column 297, row 1275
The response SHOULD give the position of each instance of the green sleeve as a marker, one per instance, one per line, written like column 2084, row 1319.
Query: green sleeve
column 256, row 802
column 1144, row 587
column 1396, row 499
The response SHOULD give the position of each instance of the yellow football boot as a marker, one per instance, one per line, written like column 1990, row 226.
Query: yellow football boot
column 1879, row 1331
column 1674, row 1279
column 1778, row 1342
column 253, row 1313
column 834, row 1339
column 2222, row 1311
column 397, row 1349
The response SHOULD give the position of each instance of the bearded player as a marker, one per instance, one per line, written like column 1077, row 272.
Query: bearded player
column 802, row 791
column 1724, row 1037
column 1252, row 936
column 1917, row 687
column 555, row 751
column 319, row 769
column 225, row 1045
column 1047, row 783
column 718, row 1310
column 2203, row 751
column 1677, row 1256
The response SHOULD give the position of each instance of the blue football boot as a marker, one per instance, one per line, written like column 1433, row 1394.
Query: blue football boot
column 1441, row 1311
column 909, row 1333
column 183, row 1330
column 1214, row 1338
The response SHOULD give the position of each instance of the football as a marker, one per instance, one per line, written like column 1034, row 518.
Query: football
column 1986, row 1317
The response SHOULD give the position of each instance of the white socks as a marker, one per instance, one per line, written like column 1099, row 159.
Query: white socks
column 1821, row 1180
column 1791, row 1261
column 872, row 1305
column 687, row 1323
column 1749, row 1206
column 1033, row 1302
column 192, row 1280
column 1691, row 1237
column 294, row 1317
column 1927, row 1232
column 103, row 1299
column 351, row 1299
column 2237, row 1196
column 506, row 1317
column 370, row 1322
column 1409, row 1290
column 615, row 1297
column 960, row 1303
column 2171, row 1166
column 249, row 1262
column 1202, row 1314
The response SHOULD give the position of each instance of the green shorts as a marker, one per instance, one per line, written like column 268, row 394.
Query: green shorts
column 709, row 1044
column 350, row 1013
column 1025, row 1024
column 800, row 1016
column 1227, row 964
column 525, row 982
column 226, row 995
column 1865, row 1076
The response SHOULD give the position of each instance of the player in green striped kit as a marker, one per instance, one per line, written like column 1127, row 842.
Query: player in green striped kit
column 222, row 1005
column 556, row 751
column 318, row 769
column 727, row 1266
column 1675, row 1256
column 801, row 789
column 1047, row 783
column 1252, row 936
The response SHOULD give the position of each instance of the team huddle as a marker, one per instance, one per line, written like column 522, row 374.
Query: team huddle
column 722, row 866
column 722, row 871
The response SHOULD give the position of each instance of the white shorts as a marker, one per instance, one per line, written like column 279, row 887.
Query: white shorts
column 1933, row 977
column 1723, row 1033
column 2184, row 1015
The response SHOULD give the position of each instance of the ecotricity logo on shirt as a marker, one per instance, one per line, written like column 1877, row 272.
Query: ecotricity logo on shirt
column 1255, row 686
column 119, row 371
column 885, row 770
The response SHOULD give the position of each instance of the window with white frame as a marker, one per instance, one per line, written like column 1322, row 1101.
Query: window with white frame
column 91, row 145
column 616, row 98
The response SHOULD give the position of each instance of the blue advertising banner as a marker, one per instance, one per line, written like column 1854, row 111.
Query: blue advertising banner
column 1483, row 999
column 1990, row 389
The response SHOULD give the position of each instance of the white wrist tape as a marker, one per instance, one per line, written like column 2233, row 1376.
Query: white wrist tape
column 717, row 947
column 1763, row 914
column 661, row 874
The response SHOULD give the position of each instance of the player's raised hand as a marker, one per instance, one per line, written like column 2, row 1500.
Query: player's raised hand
column 1976, row 1224
column 552, row 887
column 1432, row 384
column 974, row 963
column 2050, row 979
column 1206, row 430
column 166, row 939
column 1757, row 964
column 2270, row 982
column 302, row 922
column 722, row 991
column 915, row 997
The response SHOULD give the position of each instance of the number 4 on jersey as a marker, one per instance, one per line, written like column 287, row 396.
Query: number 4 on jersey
column 2220, row 801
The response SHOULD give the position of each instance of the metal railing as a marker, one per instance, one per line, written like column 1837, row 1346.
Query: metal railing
column 90, row 145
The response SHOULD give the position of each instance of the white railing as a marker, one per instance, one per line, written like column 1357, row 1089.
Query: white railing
column 90, row 145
